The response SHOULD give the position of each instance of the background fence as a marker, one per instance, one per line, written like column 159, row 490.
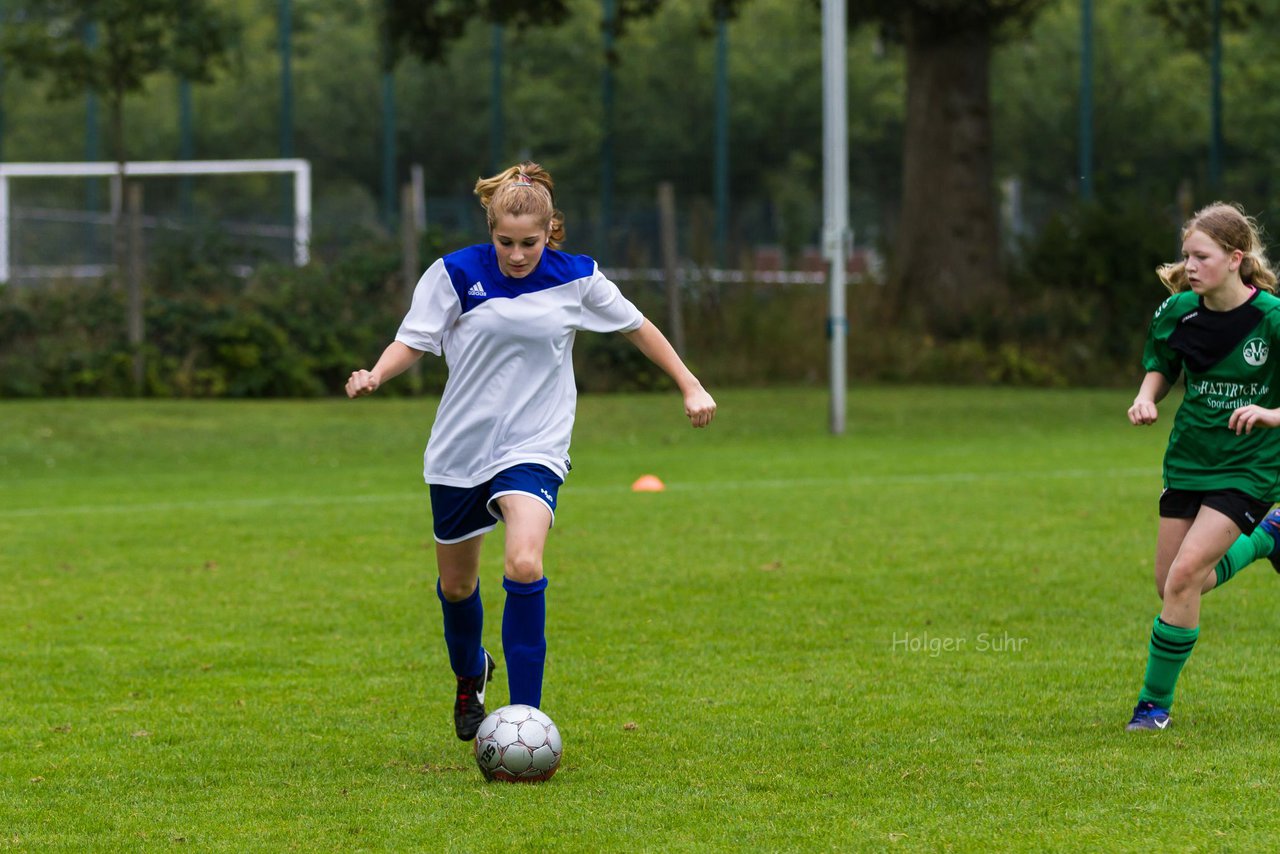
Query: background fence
column 738, row 141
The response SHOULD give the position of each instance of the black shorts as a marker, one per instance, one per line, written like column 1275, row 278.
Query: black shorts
column 1245, row 510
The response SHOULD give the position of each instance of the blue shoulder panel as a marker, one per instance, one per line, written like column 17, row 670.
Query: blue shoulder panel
column 476, row 278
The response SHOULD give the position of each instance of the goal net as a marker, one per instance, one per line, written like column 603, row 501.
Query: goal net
column 54, row 228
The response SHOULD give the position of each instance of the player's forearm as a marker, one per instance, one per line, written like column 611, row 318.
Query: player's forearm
column 1155, row 386
column 395, row 360
column 648, row 339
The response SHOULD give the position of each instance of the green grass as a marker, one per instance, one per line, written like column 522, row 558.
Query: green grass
column 218, row 628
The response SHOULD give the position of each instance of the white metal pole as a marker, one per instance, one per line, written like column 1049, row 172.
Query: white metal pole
column 835, row 168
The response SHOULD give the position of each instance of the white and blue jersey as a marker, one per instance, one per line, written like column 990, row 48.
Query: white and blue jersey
column 510, row 397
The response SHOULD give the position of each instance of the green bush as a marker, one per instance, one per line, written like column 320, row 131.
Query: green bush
column 1087, row 283
column 284, row 332
column 1080, row 299
column 62, row 340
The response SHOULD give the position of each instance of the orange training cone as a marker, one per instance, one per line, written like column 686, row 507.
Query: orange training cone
column 648, row 483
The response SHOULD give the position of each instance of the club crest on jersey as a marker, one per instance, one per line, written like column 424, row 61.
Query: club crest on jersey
column 1255, row 351
column 477, row 290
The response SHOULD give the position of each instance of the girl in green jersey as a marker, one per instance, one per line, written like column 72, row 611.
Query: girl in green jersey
column 1220, row 468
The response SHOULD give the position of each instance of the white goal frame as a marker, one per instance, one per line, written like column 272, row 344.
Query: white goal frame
column 300, row 169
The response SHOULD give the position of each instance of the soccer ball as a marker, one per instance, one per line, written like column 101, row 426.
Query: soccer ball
column 518, row 744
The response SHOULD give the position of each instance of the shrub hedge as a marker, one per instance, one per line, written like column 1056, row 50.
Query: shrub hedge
column 1078, row 306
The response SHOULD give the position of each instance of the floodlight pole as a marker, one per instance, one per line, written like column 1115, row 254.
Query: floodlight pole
column 835, row 193
column 186, row 148
column 285, row 24
column 1086, row 100
column 606, row 138
column 92, row 148
column 4, row 230
column 721, row 172
column 497, row 130
column 1215, row 104
column 1, row 113
column 390, row 195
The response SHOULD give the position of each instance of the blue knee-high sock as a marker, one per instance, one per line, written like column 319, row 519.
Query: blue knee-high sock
column 524, row 639
column 463, row 623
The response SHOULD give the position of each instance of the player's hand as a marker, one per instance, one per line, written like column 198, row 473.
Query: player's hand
column 1244, row 419
column 1143, row 412
column 700, row 407
column 362, row 383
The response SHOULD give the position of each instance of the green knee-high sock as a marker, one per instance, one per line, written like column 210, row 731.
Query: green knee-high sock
column 1244, row 551
column 1169, row 649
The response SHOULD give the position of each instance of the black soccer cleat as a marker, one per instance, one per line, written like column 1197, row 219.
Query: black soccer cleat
column 468, row 706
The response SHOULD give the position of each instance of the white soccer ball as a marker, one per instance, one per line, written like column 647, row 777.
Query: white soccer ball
column 518, row 744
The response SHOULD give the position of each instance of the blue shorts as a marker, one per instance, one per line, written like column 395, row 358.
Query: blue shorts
column 462, row 512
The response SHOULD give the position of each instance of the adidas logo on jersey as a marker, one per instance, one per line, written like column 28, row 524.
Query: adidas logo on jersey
column 477, row 290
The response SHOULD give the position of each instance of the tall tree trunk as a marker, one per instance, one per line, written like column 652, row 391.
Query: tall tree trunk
column 947, row 264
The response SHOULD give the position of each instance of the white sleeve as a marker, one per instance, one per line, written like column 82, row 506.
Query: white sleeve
column 605, row 309
column 434, row 309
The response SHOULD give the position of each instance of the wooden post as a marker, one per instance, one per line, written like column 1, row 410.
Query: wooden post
column 134, row 284
column 410, row 265
column 670, row 254
column 418, row 177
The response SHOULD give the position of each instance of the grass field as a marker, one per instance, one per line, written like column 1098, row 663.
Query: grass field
column 218, row 629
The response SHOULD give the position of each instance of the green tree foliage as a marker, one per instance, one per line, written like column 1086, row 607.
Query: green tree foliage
column 1151, row 127
column 136, row 39
column 426, row 29
column 1151, row 111
column 1150, row 117
column 1191, row 21
column 1149, row 102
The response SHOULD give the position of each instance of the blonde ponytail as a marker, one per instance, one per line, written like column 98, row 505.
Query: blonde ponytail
column 1254, row 270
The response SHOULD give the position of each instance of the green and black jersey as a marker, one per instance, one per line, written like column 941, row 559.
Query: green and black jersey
column 1226, row 356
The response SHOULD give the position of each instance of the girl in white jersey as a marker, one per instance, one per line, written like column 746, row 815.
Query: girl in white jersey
column 504, row 315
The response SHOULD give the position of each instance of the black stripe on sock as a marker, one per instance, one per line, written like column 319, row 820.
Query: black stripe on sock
column 1173, row 647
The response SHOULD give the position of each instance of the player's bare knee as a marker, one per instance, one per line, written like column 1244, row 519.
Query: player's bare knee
column 525, row 567
column 1184, row 582
column 455, row 590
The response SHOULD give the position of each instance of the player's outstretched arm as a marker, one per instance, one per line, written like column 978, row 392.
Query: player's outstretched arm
column 1155, row 386
column 698, row 405
column 395, row 360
